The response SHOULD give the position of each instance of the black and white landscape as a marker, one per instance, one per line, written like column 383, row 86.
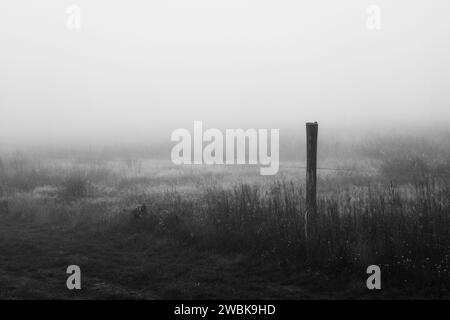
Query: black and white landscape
column 120, row 177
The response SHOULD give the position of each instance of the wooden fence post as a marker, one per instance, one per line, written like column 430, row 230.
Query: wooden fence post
column 311, row 174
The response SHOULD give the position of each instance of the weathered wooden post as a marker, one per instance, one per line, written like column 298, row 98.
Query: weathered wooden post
column 311, row 174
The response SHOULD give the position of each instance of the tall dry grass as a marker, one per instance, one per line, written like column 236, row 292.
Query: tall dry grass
column 404, row 229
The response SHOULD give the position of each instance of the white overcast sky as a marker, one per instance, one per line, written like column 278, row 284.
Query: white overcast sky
column 139, row 67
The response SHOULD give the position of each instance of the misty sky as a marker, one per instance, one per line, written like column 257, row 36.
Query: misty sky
column 141, row 67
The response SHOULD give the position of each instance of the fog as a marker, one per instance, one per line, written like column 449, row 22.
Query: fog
column 137, row 70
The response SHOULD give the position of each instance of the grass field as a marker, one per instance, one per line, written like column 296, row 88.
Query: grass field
column 227, row 232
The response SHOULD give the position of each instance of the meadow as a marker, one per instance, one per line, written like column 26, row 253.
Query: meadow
column 226, row 231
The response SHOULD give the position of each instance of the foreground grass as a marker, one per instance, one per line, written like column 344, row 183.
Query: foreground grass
column 247, row 241
column 403, row 229
column 128, row 263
